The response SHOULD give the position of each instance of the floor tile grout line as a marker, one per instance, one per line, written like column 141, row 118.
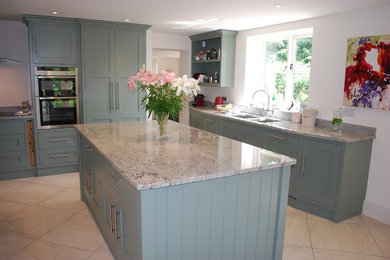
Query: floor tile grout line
column 311, row 242
column 19, row 249
column 348, row 252
column 376, row 243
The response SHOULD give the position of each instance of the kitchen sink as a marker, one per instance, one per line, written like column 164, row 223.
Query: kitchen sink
column 246, row 116
column 265, row 120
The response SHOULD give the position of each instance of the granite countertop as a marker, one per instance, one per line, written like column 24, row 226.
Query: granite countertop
column 189, row 155
column 350, row 133
column 4, row 116
column 14, row 112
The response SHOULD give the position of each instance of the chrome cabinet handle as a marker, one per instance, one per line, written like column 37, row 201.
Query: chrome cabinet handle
column 278, row 137
column 111, row 96
column 86, row 180
column 117, row 106
column 59, row 140
column 112, row 228
column 59, row 156
column 117, row 233
column 210, row 120
column 90, row 182
column 303, row 166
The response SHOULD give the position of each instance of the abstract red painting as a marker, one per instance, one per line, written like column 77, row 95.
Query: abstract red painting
column 367, row 73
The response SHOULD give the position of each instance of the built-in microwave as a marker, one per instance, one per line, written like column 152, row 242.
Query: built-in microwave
column 56, row 95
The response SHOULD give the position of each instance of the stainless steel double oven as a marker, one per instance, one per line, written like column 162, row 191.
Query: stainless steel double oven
column 57, row 97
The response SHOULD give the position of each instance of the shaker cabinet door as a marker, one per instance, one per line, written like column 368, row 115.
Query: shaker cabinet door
column 129, row 58
column 55, row 44
column 99, row 74
column 320, row 171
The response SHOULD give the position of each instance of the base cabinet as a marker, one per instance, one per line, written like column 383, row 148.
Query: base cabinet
column 57, row 151
column 288, row 145
column 320, row 171
column 330, row 177
column 16, row 149
column 203, row 220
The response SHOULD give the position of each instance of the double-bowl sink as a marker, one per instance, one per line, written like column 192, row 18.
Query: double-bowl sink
column 256, row 118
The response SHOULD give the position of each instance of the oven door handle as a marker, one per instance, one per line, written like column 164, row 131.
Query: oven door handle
column 56, row 98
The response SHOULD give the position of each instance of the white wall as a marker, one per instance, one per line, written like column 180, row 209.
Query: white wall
column 172, row 42
column 14, row 78
column 327, row 84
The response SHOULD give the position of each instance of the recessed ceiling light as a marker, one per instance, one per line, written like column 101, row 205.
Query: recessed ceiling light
column 278, row 5
column 127, row 20
column 54, row 12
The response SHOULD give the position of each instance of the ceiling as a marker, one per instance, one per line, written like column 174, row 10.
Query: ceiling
column 185, row 17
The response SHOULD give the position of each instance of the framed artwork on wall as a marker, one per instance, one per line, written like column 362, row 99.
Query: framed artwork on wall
column 367, row 72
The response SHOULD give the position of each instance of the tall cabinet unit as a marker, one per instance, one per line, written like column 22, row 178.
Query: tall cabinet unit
column 111, row 52
column 221, row 64
column 53, row 42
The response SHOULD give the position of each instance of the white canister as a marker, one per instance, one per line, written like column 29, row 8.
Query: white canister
column 296, row 117
column 309, row 116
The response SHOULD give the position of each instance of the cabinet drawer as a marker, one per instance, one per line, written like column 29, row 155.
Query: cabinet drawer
column 12, row 142
column 54, row 139
column 281, row 143
column 13, row 127
column 11, row 160
column 58, row 156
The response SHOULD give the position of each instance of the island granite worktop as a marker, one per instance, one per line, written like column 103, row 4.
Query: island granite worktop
column 189, row 155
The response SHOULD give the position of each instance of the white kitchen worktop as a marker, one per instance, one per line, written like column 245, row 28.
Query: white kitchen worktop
column 350, row 133
column 189, row 155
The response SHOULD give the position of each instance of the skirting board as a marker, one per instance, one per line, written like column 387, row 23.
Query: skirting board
column 376, row 211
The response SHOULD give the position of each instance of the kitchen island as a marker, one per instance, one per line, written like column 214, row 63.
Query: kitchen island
column 193, row 196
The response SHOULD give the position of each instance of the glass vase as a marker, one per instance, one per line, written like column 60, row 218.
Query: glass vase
column 162, row 121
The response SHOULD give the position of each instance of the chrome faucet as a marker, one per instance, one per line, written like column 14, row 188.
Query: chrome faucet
column 268, row 96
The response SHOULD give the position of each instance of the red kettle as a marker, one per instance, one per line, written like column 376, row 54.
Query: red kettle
column 218, row 101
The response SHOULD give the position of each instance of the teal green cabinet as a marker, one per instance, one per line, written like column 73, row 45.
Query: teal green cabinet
column 229, row 129
column 211, row 124
column 111, row 53
column 57, row 151
column 122, row 219
column 237, row 217
column 252, row 135
column 15, row 144
column 320, row 171
column 223, row 42
column 330, row 177
column 196, row 119
column 286, row 144
column 53, row 41
column 92, row 178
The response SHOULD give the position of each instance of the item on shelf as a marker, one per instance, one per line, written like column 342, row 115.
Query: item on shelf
column 216, row 77
column 219, row 54
column 213, row 54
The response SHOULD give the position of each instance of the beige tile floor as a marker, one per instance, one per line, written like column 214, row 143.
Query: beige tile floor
column 43, row 218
